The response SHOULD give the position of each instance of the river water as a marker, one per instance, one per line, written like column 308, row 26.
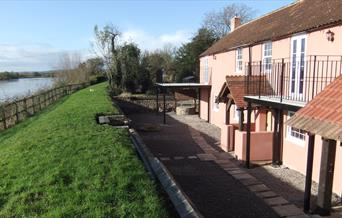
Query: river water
column 17, row 88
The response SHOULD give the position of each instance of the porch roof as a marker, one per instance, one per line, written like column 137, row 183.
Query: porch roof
column 235, row 88
column 323, row 114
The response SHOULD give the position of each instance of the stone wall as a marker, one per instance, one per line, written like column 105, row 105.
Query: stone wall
column 147, row 102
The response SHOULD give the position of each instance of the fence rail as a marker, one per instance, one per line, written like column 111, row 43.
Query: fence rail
column 14, row 112
column 298, row 79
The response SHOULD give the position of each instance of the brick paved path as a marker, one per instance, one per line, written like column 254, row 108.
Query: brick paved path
column 207, row 175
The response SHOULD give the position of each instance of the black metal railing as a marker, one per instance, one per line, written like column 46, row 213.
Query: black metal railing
column 292, row 79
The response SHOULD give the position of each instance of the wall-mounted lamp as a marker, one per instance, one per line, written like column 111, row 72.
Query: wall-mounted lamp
column 214, row 57
column 330, row 36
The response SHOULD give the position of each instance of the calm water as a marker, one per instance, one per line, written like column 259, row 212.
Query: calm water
column 21, row 87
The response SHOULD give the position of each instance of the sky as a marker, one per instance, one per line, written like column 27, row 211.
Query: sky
column 34, row 34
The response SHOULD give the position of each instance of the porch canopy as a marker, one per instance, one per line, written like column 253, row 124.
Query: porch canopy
column 163, row 87
column 322, row 116
column 235, row 88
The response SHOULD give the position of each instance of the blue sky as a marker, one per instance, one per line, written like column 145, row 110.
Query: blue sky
column 35, row 33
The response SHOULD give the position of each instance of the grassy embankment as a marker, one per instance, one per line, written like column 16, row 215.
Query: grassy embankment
column 62, row 164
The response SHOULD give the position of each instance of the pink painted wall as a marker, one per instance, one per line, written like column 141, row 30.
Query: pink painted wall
column 319, row 45
column 204, row 103
column 261, row 145
column 227, row 137
column 295, row 157
column 294, row 152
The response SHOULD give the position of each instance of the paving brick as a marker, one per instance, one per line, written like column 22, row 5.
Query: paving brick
column 248, row 182
column 222, row 161
column 287, row 210
column 275, row 201
column 209, row 151
column 224, row 156
column 192, row 157
column 228, row 166
column 315, row 216
column 178, row 158
column 164, row 158
column 258, row 188
column 243, row 176
column 206, row 157
column 236, row 172
column 229, row 169
column 267, row 194
column 303, row 216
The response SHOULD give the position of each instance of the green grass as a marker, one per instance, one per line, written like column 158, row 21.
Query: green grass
column 62, row 164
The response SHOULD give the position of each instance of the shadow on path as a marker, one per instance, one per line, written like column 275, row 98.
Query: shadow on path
column 184, row 151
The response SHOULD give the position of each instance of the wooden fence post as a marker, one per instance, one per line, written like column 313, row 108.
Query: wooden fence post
column 40, row 101
column 3, row 114
column 25, row 107
column 16, row 112
column 36, row 102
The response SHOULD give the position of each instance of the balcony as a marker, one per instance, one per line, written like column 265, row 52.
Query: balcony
column 292, row 82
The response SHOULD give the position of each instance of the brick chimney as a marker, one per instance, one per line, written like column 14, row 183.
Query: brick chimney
column 234, row 23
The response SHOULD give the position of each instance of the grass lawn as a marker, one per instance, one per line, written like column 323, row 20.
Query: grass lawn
column 62, row 164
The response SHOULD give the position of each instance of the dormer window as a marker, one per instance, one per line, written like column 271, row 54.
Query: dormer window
column 238, row 60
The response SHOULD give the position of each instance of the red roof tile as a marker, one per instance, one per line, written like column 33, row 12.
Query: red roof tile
column 323, row 114
column 306, row 15
column 236, row 86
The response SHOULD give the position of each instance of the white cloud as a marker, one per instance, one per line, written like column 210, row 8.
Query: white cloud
column 151, row 42
column 31, row 56
column 42, row 56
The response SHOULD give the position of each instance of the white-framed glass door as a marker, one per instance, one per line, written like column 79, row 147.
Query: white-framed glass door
column 298, row 52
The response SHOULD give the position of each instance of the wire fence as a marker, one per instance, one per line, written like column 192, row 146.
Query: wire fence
column 14, row 112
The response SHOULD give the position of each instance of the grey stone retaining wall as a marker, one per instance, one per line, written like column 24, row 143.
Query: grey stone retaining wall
column 148, row 101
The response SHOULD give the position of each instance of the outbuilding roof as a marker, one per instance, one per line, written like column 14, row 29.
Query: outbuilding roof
column 323, row 114
column 301, row 16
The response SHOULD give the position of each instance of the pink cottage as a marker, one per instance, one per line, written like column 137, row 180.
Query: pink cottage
column 261, row 74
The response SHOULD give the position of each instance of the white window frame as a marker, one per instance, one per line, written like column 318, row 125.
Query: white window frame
column 297, row 59
column 267, row 56
column 238, row 63
column 295, row 135
column 206, row 71
column 236, row 113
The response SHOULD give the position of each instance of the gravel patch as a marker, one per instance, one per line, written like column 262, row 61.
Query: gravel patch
column 287, row 183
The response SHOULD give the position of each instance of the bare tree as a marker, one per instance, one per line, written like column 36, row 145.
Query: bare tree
column 104, row 47
column 69, row 71
column 219, row 21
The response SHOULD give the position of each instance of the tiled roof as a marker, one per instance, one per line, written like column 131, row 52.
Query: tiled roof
column 305, row 15
column 236, row 87
column 323, row 114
